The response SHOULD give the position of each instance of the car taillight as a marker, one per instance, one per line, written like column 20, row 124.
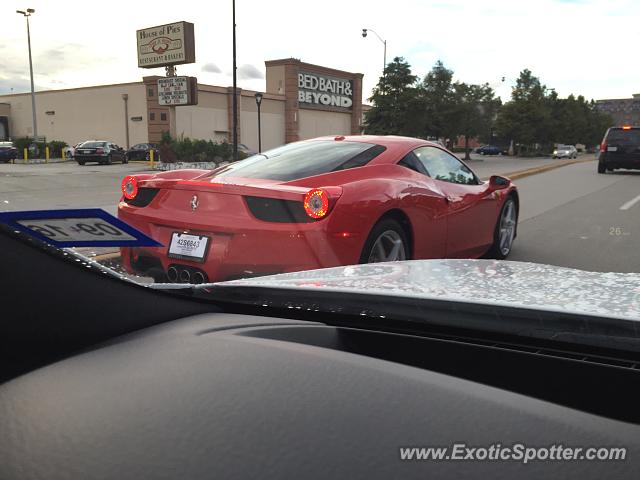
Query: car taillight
column 603, row 147
column 100, row 150
column 316, row 203
column 129, row 187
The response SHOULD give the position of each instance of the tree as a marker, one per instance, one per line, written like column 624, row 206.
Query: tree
column 395, row 110
column 436, row 100
column 526, row 118
column 473, row 111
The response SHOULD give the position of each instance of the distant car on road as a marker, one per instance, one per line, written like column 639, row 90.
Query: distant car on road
column 100, row 151
column 489, row 150
column 141, row 151
column 620, row 148
column 8, row 152
column 565, row 151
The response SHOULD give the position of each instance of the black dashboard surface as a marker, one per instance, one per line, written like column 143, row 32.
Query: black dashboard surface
column 228, row 396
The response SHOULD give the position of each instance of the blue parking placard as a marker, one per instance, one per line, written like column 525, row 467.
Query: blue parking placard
column 87, row 227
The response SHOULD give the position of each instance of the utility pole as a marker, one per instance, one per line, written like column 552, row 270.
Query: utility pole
column 235, row 91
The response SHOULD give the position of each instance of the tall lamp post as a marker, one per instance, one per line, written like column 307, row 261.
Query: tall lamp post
column 258, row 96
column 384, row 42
column 27, row 14
column 235, row 91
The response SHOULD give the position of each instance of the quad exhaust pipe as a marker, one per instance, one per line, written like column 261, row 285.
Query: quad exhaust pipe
column 185, row 276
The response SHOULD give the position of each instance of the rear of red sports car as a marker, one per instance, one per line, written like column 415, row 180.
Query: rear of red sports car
column 315, row 204
column 254, row 217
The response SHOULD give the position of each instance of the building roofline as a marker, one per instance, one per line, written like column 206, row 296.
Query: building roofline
column 72, row 89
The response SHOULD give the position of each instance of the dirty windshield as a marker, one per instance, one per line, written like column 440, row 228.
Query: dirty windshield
column 172, row 151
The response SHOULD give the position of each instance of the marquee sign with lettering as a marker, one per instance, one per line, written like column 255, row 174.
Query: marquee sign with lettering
column 317, row 91
column 171, row 44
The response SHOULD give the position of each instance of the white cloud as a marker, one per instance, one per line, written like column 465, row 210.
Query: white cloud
column 480, row 41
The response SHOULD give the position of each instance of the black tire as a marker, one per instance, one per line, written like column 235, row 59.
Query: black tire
column 601, row 168
column 81, row 163
column 495, row 251
column 385, row 226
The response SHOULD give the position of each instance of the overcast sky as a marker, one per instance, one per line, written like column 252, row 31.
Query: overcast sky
column 587, row 47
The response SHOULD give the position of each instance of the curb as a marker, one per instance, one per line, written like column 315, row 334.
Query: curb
column 544, row 168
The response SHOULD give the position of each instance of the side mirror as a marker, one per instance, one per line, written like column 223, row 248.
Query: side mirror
column 496, row 182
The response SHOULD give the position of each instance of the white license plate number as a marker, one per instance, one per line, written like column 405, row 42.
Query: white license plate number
column 188, row 247
column 612, row 149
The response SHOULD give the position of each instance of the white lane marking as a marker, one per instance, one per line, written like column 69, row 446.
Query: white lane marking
column 630, row 203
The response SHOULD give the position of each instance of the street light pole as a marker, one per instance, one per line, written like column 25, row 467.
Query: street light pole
column 27, row 14
column 258, row 96
column 235, row 91
column 384, row 42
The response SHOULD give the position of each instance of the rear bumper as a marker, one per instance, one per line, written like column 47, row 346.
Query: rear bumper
column 620, row 161
column 244, row 249
column 90, row 158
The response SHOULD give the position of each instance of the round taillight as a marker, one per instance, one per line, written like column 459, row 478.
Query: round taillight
column 129, row 187
column 316, row 203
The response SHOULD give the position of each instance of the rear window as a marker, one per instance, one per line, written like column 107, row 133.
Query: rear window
column 624, row 136
column 94, row 144
column 303, row 159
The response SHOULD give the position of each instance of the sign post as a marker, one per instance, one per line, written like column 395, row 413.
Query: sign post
column 167, row 46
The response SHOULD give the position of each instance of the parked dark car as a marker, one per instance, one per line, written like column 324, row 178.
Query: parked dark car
column 620, row 148
column 100, row 151
column 8, row 152
column 489, row 150
column 141, row 151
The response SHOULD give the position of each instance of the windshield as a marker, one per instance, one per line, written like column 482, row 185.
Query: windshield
column 357, row 134
column 304, row 159
column 631, row 136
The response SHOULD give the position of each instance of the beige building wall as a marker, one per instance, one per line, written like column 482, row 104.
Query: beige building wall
column 82, row 114
column 317, row 123
column 271, row 119
column 205, row 121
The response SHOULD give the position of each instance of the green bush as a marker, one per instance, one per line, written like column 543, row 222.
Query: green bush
column 185, row 149
column 55, row 147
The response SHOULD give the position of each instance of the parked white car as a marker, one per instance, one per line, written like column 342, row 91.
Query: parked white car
column 70, row 152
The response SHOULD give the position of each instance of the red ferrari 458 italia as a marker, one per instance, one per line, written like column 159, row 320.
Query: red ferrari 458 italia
column 317, row 203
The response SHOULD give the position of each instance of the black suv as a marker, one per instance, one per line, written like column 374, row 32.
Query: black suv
column 620, row 148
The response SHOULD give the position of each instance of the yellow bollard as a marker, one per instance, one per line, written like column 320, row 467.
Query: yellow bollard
column 63, row 155
column 151, row 158
column 26, row 155
column 46, row 154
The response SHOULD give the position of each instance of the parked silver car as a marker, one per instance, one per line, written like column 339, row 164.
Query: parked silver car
column 565, row 151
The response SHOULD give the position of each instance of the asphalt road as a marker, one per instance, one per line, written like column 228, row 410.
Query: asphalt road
column 575, row 217
column 570, row 216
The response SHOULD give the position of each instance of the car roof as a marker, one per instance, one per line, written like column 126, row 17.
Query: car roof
column 384, row 140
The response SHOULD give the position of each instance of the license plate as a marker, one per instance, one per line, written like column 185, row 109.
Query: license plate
column 188, row 247
column 612, row 149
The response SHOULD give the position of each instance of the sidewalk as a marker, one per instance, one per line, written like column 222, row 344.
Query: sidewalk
column 35, row 161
